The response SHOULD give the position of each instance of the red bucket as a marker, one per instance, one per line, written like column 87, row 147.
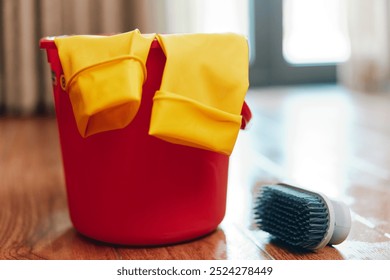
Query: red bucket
column 127, row 187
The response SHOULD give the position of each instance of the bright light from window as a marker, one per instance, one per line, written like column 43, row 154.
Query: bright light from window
column 205, row 16
column 314, row 32
column 224, row 16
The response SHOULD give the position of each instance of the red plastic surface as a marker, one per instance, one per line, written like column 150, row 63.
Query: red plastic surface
column 126, row 187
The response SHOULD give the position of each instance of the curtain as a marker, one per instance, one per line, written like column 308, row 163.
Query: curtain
column 368, row 67
column 25, row 86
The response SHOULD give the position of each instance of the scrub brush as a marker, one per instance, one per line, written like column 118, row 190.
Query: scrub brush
column 301, row 218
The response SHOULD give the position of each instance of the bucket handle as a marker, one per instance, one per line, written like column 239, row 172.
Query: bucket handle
column 246, row 114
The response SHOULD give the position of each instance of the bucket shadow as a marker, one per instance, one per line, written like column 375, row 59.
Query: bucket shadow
column 71, row 245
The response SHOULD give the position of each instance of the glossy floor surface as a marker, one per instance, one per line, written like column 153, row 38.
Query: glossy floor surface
column 322, row 137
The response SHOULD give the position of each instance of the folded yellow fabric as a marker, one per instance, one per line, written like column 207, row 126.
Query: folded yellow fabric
column 203, row 88
column 104, row 77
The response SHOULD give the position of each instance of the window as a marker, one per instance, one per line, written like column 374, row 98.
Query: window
column 296, row 41
column 309, row 26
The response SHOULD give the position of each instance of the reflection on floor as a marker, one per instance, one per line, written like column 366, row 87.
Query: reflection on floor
column 329, row 140
column 321, row 137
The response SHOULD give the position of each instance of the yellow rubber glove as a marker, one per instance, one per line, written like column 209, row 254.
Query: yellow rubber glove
column 202, row 91
column 104, row 77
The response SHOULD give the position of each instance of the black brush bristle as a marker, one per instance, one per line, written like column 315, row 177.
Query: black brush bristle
column 298, row 218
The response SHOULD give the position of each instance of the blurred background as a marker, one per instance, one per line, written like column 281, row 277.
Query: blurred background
column 291, row 41
column 319, row 94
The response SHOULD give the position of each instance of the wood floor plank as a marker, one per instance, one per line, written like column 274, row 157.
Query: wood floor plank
column 321, row 142
column 320, row 137
column 34, row 217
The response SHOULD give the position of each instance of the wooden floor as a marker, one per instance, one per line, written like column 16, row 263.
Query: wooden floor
column 321, row 137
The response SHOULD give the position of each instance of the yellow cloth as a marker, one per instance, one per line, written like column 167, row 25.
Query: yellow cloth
column 202, row 91
column 104, row 77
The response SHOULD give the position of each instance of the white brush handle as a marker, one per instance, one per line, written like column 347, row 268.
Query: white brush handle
column 342, row 223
